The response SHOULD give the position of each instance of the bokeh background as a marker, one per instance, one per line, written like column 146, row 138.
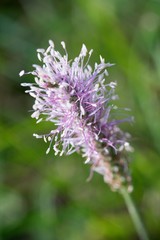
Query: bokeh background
column 43, row 197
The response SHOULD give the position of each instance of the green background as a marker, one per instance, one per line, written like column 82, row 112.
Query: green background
column 43, row 197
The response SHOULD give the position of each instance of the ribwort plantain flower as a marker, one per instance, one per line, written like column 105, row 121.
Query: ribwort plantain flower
column 79, row 102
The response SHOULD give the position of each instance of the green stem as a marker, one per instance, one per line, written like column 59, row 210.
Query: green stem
column 134, row 215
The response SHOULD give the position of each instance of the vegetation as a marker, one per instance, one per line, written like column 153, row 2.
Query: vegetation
column 45, row 197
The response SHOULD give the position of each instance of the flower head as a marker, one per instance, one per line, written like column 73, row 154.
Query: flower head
column 77, row 99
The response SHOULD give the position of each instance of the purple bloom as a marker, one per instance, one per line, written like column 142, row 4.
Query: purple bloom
column 77, row 99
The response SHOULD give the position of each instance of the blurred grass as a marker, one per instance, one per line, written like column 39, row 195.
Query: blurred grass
column 46, row 197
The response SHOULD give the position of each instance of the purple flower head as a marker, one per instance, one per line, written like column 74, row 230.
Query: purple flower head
column 77, row 99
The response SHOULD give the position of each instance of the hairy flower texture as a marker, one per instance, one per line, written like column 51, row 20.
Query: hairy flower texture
column 77, row 99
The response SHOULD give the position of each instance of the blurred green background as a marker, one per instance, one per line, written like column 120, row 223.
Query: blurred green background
column 43, row 197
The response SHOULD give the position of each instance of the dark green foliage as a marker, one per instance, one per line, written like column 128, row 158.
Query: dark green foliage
column 43, row 197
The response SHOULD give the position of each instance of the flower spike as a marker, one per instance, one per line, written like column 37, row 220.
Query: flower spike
column 78, row 101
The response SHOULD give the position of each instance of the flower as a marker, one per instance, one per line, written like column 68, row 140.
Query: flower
column 77, row 99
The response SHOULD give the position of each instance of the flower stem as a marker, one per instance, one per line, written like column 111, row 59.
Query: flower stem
column 134, row 215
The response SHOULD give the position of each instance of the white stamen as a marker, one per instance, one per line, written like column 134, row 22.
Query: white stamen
column 35, row 114
column 90, row 52
column 51, row 43
column 113, row 84
column 39, row 56
column 36, row 135
column 96, row 86
column 130, row 188
column 48, row 150
column 56, row 149
column 26, row 84
column 39, row 120
column 61, row 153
column 21, row 73
column 87, row 160
column 83, row 50
column 101, row 59
column 106, row 72
column 44, row 137
column 40, row 50
column 63, row 44
column 82, row 110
